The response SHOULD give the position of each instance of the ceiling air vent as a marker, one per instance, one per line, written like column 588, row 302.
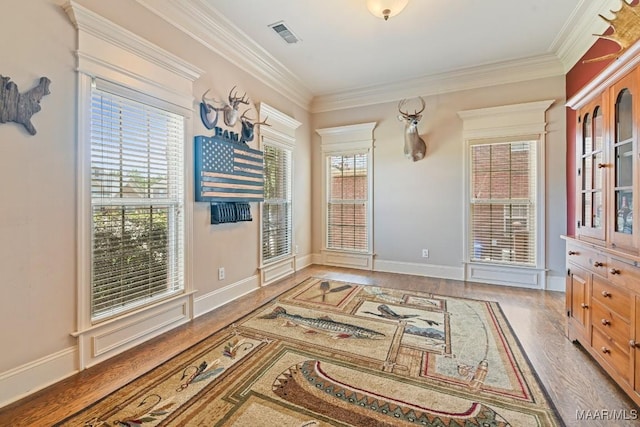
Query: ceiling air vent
column 283, row 31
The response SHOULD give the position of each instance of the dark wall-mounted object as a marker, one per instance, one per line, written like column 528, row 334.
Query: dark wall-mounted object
column 230, row 212
column 19, row 107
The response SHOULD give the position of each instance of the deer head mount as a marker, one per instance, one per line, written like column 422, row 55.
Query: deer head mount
column 248, row 127
column 229, row 108
column 414, row 147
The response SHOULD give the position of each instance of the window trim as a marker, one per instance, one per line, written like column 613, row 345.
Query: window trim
column 281, row 132
column 345, row 140
column 121, row 58
column 179, row 202
column 524, row 121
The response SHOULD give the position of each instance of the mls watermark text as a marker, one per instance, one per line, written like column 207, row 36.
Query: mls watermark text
column 606, row 414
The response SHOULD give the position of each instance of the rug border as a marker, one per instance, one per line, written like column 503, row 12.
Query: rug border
column 543, row 388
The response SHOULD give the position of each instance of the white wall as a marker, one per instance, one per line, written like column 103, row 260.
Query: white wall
column 420, row 205
column 38, row 187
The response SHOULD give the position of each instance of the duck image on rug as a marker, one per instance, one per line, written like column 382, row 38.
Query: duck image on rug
column 328, row 352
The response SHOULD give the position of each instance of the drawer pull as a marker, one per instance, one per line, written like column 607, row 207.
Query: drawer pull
column 614, row 271
column 602, row 165
column 583, row 305
column 633, row 344
column 606, row 294
column 605, row 350
column 572, row 253
column 598, row 264
column 605, row 322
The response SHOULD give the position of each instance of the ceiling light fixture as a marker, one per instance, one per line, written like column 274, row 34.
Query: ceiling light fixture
column 386, row 8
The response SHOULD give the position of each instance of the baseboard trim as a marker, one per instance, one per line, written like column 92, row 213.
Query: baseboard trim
column 316, row 259
column 34, row 376
column 556, row 283
column 303, row 261
column 428, row 270
column 220, row 297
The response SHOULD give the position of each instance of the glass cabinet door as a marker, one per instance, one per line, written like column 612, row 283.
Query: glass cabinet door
column 591, row 172
column 624, row 146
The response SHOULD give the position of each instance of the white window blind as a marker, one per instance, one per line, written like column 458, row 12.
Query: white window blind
column 276, row 208
column 503, row 203
column 347, row 223
column 136, row 201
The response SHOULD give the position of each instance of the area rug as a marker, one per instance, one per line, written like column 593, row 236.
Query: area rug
column 334, row 353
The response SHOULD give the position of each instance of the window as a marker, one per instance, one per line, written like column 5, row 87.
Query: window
column 503, row 203
column 347, row 225
column 136, row 203
column 504, row 191
column 347, row 205
column 276, row 208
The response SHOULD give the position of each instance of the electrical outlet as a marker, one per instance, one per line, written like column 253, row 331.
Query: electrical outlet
column 221, row 273
column 296, row 248
column 425, row 253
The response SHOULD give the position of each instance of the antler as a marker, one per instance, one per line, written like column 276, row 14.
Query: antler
column 415, row 112
column 244, row 118
column 204, row 99
column 263, row 123
column 209, row 106
column 234, row 100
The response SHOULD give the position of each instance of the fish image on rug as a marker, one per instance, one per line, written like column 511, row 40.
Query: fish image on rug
column 323, row 324
column 308, row 386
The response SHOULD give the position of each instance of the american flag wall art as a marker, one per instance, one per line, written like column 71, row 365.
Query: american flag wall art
column 227, row 171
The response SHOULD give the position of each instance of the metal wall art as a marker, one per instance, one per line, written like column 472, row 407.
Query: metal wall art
column 227, row 171
column 19, row 107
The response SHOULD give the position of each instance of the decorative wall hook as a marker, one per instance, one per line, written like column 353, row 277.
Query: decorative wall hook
column 19, row 107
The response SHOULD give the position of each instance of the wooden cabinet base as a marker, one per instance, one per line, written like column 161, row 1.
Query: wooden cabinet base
column 603, row 310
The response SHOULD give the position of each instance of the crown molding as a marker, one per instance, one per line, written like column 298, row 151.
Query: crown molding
column 202, row 22
column 205, row 24
column 92, row 23
column 578, row 33
column 463, row 79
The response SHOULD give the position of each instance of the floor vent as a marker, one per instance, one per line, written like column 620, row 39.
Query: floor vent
column 283, row 31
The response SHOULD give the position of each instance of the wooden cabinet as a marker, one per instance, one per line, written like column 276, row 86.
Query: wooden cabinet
column 579, row 289
column 603, row 258
column 603, row 309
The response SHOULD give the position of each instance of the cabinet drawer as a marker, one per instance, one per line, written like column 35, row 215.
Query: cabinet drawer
column 624, row 274
column 610, row 323
column 612, row 297
column 616, row 355
column 587, row 258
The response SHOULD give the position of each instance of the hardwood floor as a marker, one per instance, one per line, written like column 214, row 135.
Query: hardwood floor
column 573, row 380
